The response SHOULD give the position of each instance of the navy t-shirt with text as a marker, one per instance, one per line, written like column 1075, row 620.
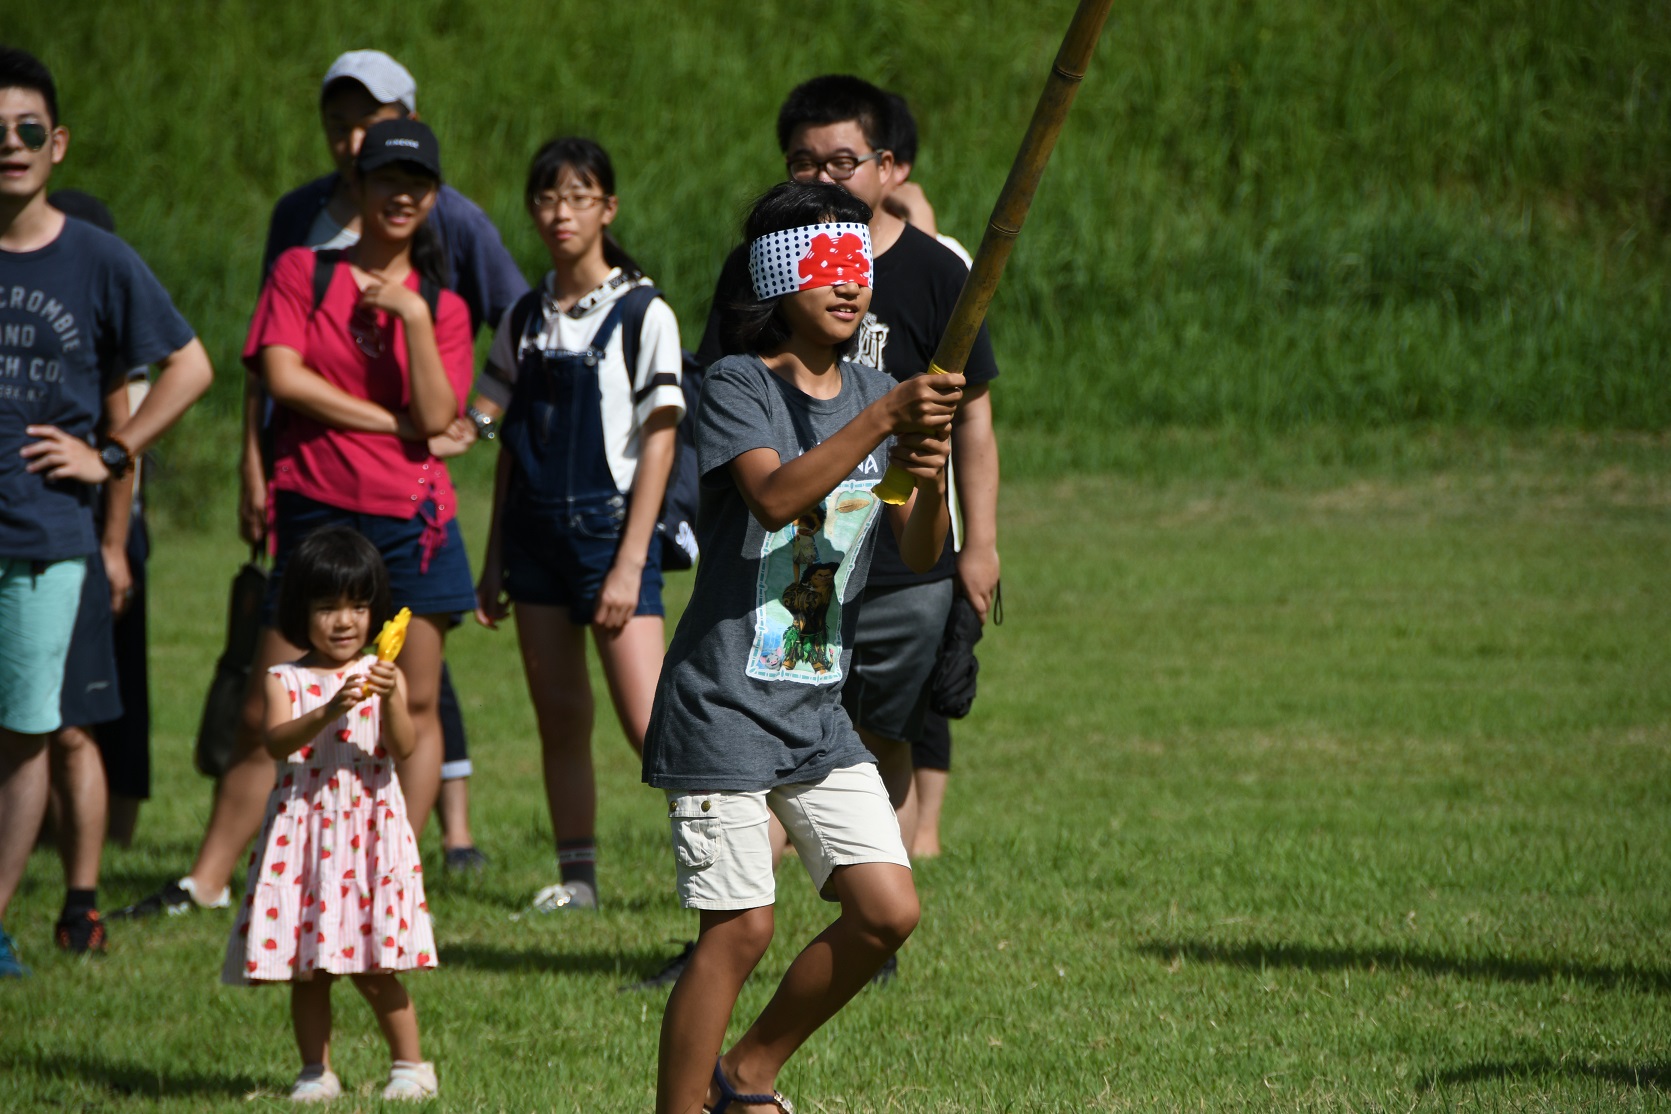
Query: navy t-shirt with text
column 83, row 303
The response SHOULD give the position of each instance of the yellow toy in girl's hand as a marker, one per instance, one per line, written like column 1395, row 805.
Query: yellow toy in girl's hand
column 393, row 635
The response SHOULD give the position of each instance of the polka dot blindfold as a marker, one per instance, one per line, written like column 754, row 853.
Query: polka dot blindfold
column 806, row 258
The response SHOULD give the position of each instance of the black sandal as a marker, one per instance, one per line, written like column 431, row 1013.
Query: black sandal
column 728, row 1095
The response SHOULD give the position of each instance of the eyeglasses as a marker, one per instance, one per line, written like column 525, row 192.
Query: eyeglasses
column 578, row 202
column 840, row 168
column 30, row 133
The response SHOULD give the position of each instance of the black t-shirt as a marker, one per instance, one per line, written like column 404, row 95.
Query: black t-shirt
column 70, row 314
column 917, row 282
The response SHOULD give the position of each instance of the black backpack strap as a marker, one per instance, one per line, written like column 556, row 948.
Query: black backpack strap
column 431, row 292
column 521, row 313
column 634, row 304
column 324, row 266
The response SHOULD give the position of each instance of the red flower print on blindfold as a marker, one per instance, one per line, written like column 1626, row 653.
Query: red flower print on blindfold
column 832, row 262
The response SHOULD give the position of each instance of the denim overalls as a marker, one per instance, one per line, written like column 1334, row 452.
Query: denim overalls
column 554, row 425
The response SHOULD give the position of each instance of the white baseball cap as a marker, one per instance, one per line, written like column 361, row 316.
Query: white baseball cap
column 383, row 77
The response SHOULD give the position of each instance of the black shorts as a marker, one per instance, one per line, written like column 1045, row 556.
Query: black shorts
column 91, row 695
column 897, row 640
column 934, row 750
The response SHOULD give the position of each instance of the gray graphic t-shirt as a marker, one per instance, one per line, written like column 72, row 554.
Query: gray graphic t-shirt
column 750, row 692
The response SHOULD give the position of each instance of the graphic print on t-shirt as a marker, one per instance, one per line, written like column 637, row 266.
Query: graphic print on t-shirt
column 804, row 568
column 873, row 343
column 38, row 334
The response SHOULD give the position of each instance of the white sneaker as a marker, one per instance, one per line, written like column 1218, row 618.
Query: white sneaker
column 411, row 1082
column 219, row 901
column 316, row 1084
column 565, row 895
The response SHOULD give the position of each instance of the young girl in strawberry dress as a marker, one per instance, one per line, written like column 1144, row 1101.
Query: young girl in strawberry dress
column 336, row 886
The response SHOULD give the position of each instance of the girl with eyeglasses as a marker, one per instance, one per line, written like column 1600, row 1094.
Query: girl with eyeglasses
column 586, row 369
column 369, row 357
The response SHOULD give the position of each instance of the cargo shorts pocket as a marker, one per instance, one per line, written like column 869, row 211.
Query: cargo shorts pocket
column 696, row 830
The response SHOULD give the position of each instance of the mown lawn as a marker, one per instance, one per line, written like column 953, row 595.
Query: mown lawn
column 1293, row 784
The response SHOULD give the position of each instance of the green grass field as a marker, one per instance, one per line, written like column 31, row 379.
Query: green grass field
column 1277, row 215
column 1322, row 762
column 1293, row 785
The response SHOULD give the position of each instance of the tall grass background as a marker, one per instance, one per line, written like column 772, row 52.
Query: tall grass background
column 1263, row 218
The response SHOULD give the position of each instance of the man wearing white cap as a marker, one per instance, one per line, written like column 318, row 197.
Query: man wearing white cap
column 361, row 88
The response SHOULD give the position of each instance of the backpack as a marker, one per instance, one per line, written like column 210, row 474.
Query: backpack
column 677, row 528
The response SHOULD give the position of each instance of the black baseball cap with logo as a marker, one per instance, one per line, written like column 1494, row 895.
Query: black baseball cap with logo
column 392, row 141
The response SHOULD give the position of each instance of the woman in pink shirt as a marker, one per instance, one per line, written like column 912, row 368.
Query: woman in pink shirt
column 369, row 357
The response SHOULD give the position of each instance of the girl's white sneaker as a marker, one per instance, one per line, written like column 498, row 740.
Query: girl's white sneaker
column 411, row 1081
column 316, row 1084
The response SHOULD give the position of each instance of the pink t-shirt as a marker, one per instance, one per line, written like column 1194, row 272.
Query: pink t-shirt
column 369, row 473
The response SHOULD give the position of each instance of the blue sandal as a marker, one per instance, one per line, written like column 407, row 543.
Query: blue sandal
column 728, row 1095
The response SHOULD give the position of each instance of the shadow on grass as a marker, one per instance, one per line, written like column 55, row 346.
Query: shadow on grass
column 1655, row 1077
column 628, row 966
column 129, row 1079
column 1255, row 956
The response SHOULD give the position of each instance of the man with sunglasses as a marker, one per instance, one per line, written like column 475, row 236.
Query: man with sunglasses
column 839, row 129
column 74, row 302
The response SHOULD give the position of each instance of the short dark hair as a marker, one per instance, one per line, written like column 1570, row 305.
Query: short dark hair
column 21, row 70
column 756, row 325
column 588, row 159
column 904, row 141
column 332, row 563
column 835, row 98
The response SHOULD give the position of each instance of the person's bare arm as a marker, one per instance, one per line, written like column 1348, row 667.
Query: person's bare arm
column 182, row 377
column 286, row 734
column 921, row 522
column 298, row 387
column 118, row 510
column 975, row 444
column 777, row 492
column 434, row 404
column 252, row 475
column 400, row 738
column 491, row 605
column 618, row 597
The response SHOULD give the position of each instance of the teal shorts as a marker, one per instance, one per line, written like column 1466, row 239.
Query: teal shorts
column 38, row 602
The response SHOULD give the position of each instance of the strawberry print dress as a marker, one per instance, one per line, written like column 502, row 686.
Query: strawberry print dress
column 335, row 883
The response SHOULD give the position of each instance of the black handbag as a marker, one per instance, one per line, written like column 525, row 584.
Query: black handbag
column 217, row 733
column 951, row 686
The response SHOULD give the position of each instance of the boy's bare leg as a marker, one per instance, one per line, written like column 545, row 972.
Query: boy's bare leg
column 23, row 789
column 693, row 1025
column 78, row 770
column 879, row 910
column 930, row 786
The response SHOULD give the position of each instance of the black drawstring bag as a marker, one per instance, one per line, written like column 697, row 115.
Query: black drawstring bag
column 951, row 686
column 218, row 732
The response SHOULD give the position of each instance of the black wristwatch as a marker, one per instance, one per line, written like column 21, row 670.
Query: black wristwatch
column 485, row 426
column 116, row 458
